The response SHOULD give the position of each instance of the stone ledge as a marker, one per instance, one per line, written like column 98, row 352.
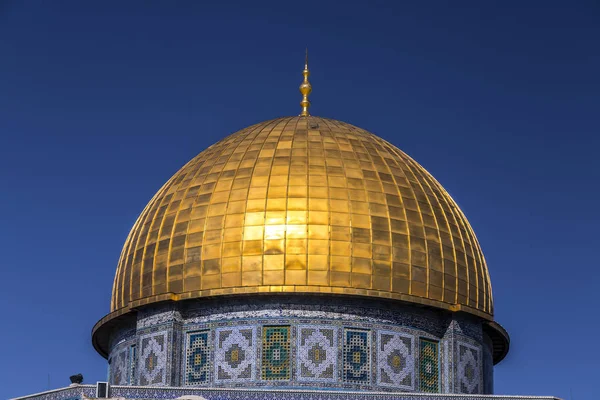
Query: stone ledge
column 84, row 392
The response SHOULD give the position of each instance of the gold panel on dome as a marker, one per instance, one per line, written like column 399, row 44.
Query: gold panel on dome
column 303, row 205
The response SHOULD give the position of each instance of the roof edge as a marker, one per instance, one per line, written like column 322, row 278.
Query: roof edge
column 500, row 340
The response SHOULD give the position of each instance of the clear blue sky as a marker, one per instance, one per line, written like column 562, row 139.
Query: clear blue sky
column 101, row 102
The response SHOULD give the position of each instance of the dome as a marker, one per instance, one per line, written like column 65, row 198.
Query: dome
column 303, row 205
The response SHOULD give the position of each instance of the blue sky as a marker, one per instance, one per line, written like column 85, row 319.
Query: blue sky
column 101, row 102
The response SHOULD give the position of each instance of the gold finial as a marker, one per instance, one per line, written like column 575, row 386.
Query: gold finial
column 305, row 89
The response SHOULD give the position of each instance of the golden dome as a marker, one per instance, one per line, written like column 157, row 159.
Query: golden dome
column 303, row 205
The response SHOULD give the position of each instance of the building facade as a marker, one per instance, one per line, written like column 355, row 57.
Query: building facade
column 301, row 257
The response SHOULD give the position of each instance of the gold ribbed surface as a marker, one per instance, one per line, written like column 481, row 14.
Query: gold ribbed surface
column 303, row 205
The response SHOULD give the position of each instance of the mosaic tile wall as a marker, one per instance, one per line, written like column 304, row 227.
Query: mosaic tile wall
column 462, row 372
column 235, row 354
column 395, row 360
column 357, row 356
column 433, row 321
column 310, row 348
column 198, row 353
column 429, row 366
column 317, row 353
column 152, row 362
column 276, row 353
column 469, row 368
column 119, row 367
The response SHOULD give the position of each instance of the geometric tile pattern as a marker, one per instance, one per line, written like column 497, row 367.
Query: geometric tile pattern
column 429, row 366
column 235, row 354
column 198, row 358
column 468, row 373
column 276, row 353
column 118, row 368
column 153, row 361
column 317, row 353
column 395, row 360
column 357, row 356
column 320, row 349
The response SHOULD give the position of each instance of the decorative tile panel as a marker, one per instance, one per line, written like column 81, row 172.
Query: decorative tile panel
column 276, row 353
column 469, row 369
column 317, row 353
column 357, row 356
column 152, row 363
column 119, row 372
column 197, row 369
column 429, row 370
column 267, row 343
column 395, row 360
column 235, row 354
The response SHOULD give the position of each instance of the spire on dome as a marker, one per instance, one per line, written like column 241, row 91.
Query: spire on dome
column 305, row 89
